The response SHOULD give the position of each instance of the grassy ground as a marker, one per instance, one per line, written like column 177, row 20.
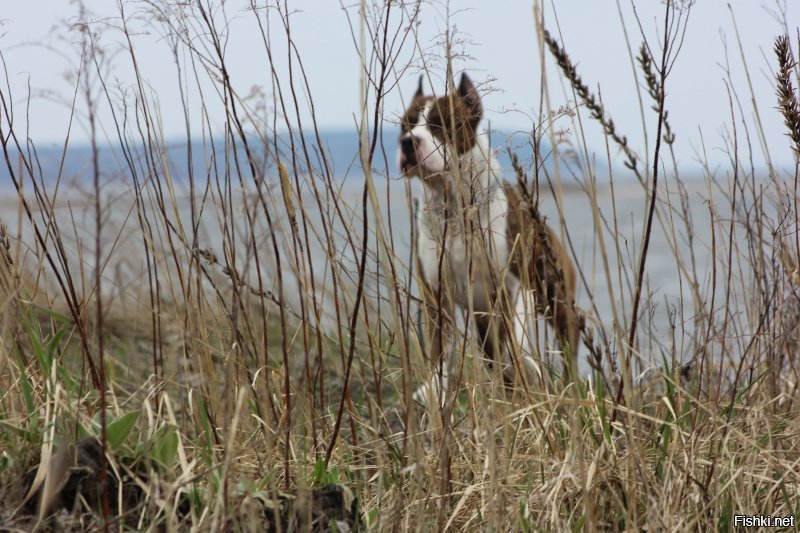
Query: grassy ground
column 210, row 441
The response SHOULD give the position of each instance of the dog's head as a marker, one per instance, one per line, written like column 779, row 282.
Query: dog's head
column 435, row 132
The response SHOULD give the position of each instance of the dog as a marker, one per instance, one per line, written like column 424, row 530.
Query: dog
column 479, row 245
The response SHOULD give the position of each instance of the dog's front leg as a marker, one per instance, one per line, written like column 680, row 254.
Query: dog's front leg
column 437, row 319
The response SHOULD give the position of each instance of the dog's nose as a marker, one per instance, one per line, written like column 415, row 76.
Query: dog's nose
column 407, row 145
column 408, row 149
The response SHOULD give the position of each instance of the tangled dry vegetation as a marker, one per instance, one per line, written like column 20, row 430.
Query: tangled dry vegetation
column 155, row 374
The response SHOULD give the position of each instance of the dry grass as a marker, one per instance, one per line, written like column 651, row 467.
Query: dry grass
column 238, row 345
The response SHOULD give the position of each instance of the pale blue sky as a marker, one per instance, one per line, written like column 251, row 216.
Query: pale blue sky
column 37, row 49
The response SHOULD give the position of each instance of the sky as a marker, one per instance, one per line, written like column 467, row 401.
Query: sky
column 500, row 52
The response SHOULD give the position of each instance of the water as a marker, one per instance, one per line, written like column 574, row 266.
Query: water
column 670, row 265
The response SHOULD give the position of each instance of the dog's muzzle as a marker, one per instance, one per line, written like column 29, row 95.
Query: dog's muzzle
column 408, row 153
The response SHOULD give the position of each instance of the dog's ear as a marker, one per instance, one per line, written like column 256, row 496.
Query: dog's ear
column 469, row 95
column 419, row 87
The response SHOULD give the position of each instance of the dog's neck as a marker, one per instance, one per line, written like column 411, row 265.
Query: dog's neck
column 472, row 181
column 463, row 195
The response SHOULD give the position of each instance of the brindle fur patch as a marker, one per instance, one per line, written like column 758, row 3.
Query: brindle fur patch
column 459, row 112
column 531, row 263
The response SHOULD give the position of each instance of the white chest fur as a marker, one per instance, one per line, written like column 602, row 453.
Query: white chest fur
column 461, row 238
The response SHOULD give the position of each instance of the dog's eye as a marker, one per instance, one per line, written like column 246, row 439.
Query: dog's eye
column 436, row 129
